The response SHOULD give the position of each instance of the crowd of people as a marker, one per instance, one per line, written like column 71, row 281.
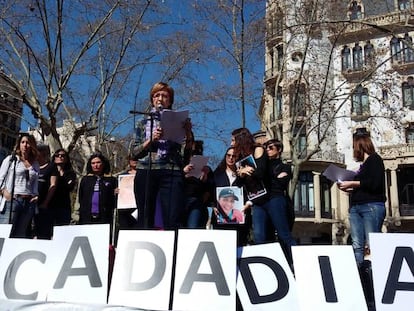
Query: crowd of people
column 167, row 193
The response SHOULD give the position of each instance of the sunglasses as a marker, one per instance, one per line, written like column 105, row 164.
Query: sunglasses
column 271, row 147
column 230, row 156
column 60, row 155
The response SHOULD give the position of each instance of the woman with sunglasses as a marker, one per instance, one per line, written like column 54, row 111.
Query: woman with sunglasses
column 249, row 176
column 47, row 185
column 225, row 173
column 20, row 184
column 276, row 211
column 61, row 206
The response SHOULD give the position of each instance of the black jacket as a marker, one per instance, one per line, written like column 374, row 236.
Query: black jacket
column 107, row 198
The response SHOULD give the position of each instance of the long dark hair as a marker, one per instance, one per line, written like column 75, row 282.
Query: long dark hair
column 33, row 146
column 223, row 165
column 244, row 142
column 67, row 166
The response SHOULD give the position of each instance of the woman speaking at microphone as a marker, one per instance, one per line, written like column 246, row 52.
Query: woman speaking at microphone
column 159, row 166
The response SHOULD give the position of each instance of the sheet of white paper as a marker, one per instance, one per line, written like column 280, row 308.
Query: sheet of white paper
column 336, row 173
column 198, row 163
column 172, row 124
column 126, row 196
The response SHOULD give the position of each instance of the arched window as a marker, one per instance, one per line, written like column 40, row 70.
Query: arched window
column 357, row 58
column 346, row 58
column 369, row 54
column 304, row 195
column 355, row 11
column 280, row 56
column 409, row 134
column 360, row 101
column 395, row 49
column 301, row 100
column 407, row 46
column 301, row 141
column 408, row 93
column 278, row 103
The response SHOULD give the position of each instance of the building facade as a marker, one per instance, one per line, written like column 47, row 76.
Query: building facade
column 332, row 67
column 11, row 109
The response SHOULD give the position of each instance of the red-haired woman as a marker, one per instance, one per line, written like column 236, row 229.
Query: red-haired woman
column 160, row 164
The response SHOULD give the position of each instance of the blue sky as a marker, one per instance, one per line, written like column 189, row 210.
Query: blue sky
column 213, row 127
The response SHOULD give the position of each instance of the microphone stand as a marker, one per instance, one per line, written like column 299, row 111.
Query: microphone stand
column 152, row 116
column 12, row 160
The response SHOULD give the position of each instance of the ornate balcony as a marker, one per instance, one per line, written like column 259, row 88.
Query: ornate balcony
column 328, row 156
column 364, row 29
column 396, row 151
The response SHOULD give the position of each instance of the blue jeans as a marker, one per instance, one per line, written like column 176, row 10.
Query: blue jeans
column 364, row 218
column 22, row 215
column 196, row 213
column 274, row 210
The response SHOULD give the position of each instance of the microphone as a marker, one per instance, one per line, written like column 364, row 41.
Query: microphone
column 140, row 112
column 160, row 107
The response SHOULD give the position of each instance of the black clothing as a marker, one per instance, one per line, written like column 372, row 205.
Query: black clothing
column 61, row 205
column 221, row 179
column 372, row 181
column 43, row 223
column 278, row 186
column 243, row 230
column 198, row 194
column 45, row 174
column 107, row 199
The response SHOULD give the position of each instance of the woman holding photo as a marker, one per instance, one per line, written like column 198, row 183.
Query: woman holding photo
column 227, row 212
column 251, row 177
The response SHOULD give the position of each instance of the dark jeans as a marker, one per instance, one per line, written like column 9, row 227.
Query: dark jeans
column 43, row 224
column 169, row 185
column 23, row 212
column 196, row 213
column 61, row 216
column 274, row 210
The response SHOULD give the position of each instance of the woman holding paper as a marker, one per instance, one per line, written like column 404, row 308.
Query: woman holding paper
column 199, row 187
column 367, row 200
column 367, row 194
column 160, row 164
